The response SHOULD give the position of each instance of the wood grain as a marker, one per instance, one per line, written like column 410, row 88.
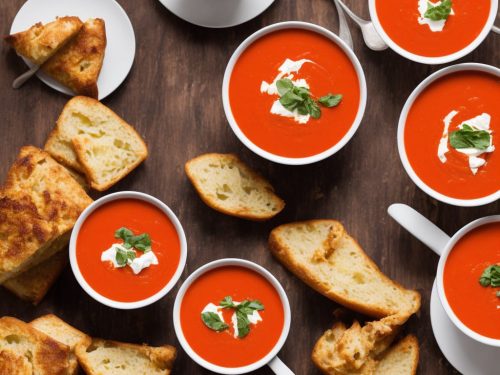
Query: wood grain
column 172, row 96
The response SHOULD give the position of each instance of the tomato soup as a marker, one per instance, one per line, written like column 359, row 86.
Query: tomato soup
column 457, row 97
column 223, row 348
column 97, row 234
column 476, row 306
column 399, row 19
column 327, row 70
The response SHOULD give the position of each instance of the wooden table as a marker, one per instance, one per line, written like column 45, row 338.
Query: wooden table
column 173, row 97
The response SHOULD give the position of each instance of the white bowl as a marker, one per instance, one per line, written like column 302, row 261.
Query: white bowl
column 117, row 196
column 293, row 25
column 439, row 59
column 401, row 128
column 222, row 263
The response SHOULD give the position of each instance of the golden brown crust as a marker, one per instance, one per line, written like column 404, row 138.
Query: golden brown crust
column 40, row 42
column 79, row 63
column 282, row 253
column 244, row 214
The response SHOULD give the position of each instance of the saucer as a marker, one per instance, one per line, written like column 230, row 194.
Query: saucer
column 120, row 48
column 216, row 13
column 465, row 354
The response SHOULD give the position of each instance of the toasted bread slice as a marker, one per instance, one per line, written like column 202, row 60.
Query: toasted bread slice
column 324, row 256
column 100, row 357
column 32, row 285
column 62, row 332
column 229, row 186
column 91, row 138
column 39, row 205
column 30, row 351
column 78, row 64
column 400, row 359
column 40, row 42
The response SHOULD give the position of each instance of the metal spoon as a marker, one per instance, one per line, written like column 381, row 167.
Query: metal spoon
column 370, row 35
column 344, row 32
column 19, row 81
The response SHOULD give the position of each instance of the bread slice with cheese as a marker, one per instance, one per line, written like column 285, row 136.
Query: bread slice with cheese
column 91, row 138
column 62, row 332
column 228, row 185
column 27, row 351
column 40, row 42
column 323, row 255
column 400, row 359
column 32, row 285
column 39, row 205
column 78, row 64
column 99, row 357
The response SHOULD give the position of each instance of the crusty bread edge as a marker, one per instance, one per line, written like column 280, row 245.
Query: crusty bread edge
column 413, row 341
column 50, row 139
column 250, row 171
column 282, row 254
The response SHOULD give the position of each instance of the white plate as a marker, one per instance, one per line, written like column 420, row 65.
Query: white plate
column 216, row 13
column 465, row 354
column 120, row 48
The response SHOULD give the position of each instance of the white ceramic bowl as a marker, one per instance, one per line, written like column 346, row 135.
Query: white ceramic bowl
column 293, row 25
column 440, row 59
column 222, row 263
column 401, row 129
column 117, row 196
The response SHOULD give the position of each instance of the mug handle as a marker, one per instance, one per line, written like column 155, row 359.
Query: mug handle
column 419, row 226
column 495, row 29
column 278, row 367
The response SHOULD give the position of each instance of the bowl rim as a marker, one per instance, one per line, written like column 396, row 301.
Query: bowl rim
column 437, row 59
column 332, row 37
column 240, row 263
column 117, row 196
column 402, row 124
column 440, row 279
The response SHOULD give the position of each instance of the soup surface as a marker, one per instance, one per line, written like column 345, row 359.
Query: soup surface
column 399, row 19
column 476, row 306
column 97, row 234
column 328, row 70
column 223, row 348
column 469, row 94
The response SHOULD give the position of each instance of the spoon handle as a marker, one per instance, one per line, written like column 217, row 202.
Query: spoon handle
column 19, row 81
column 344, row 32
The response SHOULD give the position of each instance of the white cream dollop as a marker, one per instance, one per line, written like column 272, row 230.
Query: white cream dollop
column 137, row 265
column 434, row 26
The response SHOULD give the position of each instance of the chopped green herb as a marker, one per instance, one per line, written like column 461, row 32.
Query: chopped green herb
column 243, row 323
column 227, row 302
column 122, row 257
column 438, row 12
column 330, row 100
column 141, row 242
column 213, row 321
column 467, row 137
column 491, row 276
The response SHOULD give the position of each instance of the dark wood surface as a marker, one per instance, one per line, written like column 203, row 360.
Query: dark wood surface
column 172, row 96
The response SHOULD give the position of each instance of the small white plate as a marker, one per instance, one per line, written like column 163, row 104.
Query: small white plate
column 120, row 48
column 216, row 13
column 465, row 354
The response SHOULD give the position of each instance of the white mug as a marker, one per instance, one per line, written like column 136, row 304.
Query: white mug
column 442, row 245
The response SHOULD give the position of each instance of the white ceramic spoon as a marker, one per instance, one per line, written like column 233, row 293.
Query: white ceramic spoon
column 19, row 81
column 344, row 32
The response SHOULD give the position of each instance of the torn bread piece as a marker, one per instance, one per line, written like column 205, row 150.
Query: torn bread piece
column 400, row 359
column 78, row 64
column 40, row 42
column 115, row 358
column 228, row 185
column 324, row 256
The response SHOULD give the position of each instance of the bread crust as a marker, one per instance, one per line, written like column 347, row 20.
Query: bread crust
column 283, row 254
column 254, row 175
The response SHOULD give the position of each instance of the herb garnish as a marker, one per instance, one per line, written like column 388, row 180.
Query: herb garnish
column 299, row 98
column 491, row 277
column 467, row 137
column 242, row 310
column 122, row 256
column 141, row 242
column 438, row 12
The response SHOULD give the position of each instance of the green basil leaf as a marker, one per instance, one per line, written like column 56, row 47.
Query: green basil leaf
column 330, row 100
column 256, row 305
column 484, row 281
column 121, row 257
column 284, row 85
column 227, row 302
column 213, row 321
column 123, row 233
column 313, row 108
column 243, row 324
column 438, row 12
column 290, row 100
column 470, row 138
column 490, row 276
column 303, row 92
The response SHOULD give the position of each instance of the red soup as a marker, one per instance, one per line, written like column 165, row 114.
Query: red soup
column 400, row 21
column 113, row 275
column 477, row 306
column 467, row 97
column 309, row 60
column 230, row 346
